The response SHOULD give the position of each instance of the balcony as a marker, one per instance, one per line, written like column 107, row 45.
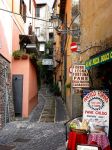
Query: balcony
column 29, row 43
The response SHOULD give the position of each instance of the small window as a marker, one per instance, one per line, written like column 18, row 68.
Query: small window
column 30, row 5
column 51, row 36
column 37, row 12
column 38, row 31
column 23, row 10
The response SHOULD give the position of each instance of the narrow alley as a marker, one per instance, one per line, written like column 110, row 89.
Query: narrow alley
column 41, row 131
column 55, row 74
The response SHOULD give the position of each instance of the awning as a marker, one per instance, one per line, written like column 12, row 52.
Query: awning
column 28, row 39
column 30, row 42
column 99, row 59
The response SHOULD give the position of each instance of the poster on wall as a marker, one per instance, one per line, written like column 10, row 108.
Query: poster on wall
column 96, row 108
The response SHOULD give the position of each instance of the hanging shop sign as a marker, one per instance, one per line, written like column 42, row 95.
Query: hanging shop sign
column 80, row 76
column 102, row 58
column 96, row 108
column 47, row 62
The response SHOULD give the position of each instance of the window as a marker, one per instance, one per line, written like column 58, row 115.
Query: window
column 30, row 5
column 38, row 31
column 23, row 10
column 50, row 36
column 37, row 12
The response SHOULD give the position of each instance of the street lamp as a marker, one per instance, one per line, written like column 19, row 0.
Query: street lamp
column 57, row 25
column 56, row 21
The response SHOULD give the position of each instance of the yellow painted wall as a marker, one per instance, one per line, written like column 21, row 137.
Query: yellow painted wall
column 69, row 58
column 69, row 38
column 17, row 18
column 57, row 54
column 95, row 24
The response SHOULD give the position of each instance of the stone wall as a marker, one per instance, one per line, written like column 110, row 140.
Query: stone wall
column 6, row 100
column 77, row 106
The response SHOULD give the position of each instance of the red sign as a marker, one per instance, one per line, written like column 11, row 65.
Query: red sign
column 73, row 47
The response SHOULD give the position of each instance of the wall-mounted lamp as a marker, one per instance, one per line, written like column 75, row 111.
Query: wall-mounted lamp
column 58, row 23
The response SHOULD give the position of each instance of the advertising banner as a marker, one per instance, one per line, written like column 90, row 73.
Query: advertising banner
column 96, row 107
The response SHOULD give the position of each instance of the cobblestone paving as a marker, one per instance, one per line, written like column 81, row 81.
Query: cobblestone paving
column 33, row 136
column 36, row 113
column 39, row 132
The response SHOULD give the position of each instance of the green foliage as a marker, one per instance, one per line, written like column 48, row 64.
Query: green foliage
column 68, row 85
column 20, row 54
column 17, row 54
column 33, row 56
column 54, row 88
column 49, row 46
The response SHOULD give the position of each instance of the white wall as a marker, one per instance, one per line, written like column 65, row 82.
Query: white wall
column 43, row 25
column 42, row 47
column 29, row 14
column 7, row 25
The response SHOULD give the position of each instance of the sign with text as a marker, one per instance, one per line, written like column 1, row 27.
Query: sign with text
column 80, row 76
column 96, row 107
column 47, row 62
column 104, row 57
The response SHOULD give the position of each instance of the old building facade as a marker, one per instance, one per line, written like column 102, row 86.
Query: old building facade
column 15, row 75
column 42, row 27
column 91, row 21
column 65, row 35
column 96, row 45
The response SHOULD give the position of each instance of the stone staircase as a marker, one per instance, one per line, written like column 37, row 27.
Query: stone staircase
column 48, row 113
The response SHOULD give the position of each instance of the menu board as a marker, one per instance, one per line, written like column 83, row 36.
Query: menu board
column 96, row 108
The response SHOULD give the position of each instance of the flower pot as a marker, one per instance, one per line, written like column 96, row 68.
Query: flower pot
column 24, row 56
column 15, row 57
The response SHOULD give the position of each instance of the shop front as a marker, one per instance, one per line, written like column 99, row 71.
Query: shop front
column 100, row 72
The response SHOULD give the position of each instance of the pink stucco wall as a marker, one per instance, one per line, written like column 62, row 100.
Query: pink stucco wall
column 24, row 67
column 4, row 50
column 15, row 37
column 4, row 45
column 33, row 90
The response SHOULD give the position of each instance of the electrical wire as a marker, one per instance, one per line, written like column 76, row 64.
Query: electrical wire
column 24, row 15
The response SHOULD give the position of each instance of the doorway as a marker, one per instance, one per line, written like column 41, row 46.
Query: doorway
column 17, row 85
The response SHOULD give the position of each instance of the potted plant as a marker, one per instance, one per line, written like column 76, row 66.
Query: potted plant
column 24, row 56
column 17, row 54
